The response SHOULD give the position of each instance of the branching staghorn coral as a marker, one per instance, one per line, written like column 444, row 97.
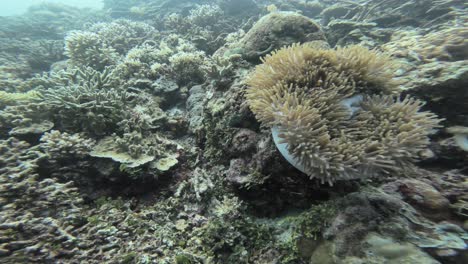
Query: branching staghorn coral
column 142, row 62
column 189, row 66
column 88, row 49
column 123, row 34
column 15, row 98
column 205, row 15
column 37, row 214
column 58, row 145
column 92, row 101
column 332, row 112
column 73, row 98
column 173, row 56
column 103, row 44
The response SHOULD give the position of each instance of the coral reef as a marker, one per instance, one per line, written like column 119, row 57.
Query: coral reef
column 59, row 145
column 126, row 136
column 17, row 98
column 41, row 216
column 86, row 48
column 434, row 68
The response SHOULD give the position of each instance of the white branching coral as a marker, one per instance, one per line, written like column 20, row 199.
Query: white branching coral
column 205, row 15
column 188, row 66
column 88, row 49
column 122, row 34
column 333, row 113
column 58, row 145
column 93, row 101
column 103, row 44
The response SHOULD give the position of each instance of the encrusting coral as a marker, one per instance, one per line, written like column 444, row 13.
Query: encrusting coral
column 333, row 114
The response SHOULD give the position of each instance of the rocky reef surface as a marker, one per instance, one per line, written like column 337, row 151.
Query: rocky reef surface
column 235, row 131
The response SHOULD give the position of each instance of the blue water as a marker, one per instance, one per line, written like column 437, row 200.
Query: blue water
column 17, row 7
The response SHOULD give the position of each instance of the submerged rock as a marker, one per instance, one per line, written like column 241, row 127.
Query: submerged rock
column 274, row 31
column 376, row 227
column 382, row 249
column 421, row 195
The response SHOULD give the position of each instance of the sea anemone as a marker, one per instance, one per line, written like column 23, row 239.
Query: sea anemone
column 335, row 113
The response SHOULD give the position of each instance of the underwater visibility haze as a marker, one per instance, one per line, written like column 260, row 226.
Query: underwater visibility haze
column 234, row 131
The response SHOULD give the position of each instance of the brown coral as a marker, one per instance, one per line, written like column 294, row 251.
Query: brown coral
column 335, row 111
column 37, row 213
